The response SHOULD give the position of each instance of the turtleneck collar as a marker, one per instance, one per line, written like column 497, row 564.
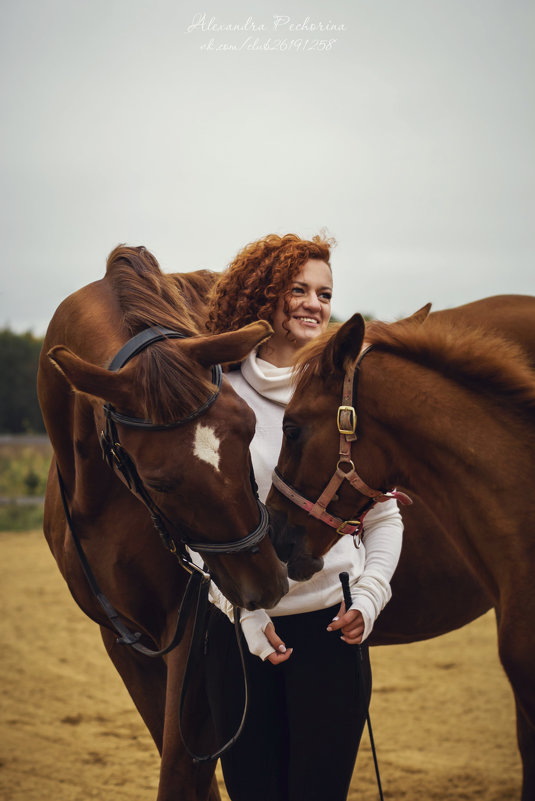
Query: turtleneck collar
column 273, row 383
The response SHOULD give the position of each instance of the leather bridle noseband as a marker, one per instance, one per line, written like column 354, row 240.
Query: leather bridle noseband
column 346, row 420
column 117, row 457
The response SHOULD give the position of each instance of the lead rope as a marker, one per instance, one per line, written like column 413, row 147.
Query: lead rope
column 344, row 580
column 196, row 588
column 198, row 637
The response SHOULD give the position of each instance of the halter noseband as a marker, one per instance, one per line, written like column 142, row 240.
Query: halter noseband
column 117, row 457
column 346, row 421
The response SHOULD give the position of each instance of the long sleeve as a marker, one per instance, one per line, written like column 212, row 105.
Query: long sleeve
column 382, row 539
column 253, row 623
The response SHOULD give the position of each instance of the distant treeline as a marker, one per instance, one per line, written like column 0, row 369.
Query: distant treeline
column 19, row 359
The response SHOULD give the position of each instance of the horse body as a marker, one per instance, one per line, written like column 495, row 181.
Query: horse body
column 198, row 474
column 447, row 413
column 430, row 566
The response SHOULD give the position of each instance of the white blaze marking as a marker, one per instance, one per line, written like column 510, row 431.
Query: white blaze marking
column 206, row 445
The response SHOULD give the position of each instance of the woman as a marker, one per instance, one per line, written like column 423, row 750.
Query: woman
column 306, row 708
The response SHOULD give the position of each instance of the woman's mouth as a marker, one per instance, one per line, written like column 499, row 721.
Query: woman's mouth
column 307, row 320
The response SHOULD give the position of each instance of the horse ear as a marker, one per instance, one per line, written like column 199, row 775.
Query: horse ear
column 90, row 378
column 232, row 346
column 346, row 344
column 418, row 316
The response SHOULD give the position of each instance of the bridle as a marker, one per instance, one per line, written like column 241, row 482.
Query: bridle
column 195, row 599
column 118, row 458
column 346, row 421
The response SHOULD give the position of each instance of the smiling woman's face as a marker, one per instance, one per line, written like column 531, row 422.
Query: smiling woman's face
column 309, row 306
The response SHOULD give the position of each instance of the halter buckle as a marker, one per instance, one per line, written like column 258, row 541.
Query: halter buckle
column 345, row 523
column 351, row 425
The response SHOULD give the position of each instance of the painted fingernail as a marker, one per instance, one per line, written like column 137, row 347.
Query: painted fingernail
column 336, row 618
column 282, row 649
column 329, row 628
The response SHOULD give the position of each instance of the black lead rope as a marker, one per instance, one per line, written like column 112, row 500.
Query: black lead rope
column 195, row 600
column 195, row 647
column 344, row 580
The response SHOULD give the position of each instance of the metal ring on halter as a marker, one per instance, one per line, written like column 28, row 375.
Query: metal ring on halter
column 345, row 461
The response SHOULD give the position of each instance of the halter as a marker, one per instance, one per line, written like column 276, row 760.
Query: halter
column 346, row 421
column 117, row 457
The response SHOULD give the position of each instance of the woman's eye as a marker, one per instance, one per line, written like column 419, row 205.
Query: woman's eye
column 298, row 290
column 326, row 296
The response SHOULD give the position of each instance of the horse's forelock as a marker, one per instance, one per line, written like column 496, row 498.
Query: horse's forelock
column 169, row 389
column 309, row 361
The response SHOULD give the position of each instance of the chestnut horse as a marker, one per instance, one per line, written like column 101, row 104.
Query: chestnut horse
column 449, row 412
column 430, row 565
column 181, row 443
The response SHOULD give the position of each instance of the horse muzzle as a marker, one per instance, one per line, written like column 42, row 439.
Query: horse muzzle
column 290, row 546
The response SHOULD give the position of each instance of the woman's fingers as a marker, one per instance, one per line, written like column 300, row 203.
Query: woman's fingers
column 281, row 652
column 276, row 658
column 350, row 624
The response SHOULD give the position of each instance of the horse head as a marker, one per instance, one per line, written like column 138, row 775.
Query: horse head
column 311, row 504
column 188, row 462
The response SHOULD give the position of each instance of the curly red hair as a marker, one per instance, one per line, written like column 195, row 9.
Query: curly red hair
column 250, row 288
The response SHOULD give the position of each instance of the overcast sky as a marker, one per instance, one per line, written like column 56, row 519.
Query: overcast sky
column 404, row 127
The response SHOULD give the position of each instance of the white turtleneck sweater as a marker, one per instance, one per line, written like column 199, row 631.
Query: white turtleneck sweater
column 267, row 389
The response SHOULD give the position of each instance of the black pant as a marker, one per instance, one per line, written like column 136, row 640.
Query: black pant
column 305, row 717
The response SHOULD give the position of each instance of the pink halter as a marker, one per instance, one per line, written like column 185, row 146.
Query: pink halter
column 346, row 420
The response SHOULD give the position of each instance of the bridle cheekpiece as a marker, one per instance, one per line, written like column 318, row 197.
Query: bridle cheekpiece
column 118, row 458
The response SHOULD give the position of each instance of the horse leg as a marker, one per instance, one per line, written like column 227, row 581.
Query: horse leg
column 526, row 746
column 180, row 778
column 145, row 679
column 517, row 654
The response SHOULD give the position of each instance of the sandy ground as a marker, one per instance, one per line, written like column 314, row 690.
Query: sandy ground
column 442, row 711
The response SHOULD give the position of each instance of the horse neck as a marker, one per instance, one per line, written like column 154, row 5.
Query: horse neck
column 469, row 457
column 89, row 323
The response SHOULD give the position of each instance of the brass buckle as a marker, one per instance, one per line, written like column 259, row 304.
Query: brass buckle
column 347, row 523
column 353, row 419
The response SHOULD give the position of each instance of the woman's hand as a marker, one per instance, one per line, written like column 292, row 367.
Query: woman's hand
column 351, row 623
column 281, row 652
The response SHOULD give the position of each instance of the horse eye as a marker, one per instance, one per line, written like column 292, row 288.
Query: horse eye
column 161, row 487
column 291, row 432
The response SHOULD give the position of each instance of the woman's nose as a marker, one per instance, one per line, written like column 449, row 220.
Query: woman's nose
column 312, row 301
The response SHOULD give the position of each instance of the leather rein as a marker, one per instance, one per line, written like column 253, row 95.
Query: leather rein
column 346, row 421
column 195, row 598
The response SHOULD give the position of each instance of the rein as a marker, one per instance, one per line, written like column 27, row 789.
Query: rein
column 195, row 597
column 346, row 422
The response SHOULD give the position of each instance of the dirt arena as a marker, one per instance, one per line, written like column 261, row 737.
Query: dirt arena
column 442, row 711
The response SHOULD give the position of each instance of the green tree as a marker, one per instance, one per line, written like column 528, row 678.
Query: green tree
column 19, row 359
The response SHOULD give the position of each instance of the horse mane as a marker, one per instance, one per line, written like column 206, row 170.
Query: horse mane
column 310, row 359
column 481, row 360
column 168, row 389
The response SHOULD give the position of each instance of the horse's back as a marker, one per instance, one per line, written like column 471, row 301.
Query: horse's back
column 511, row 316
